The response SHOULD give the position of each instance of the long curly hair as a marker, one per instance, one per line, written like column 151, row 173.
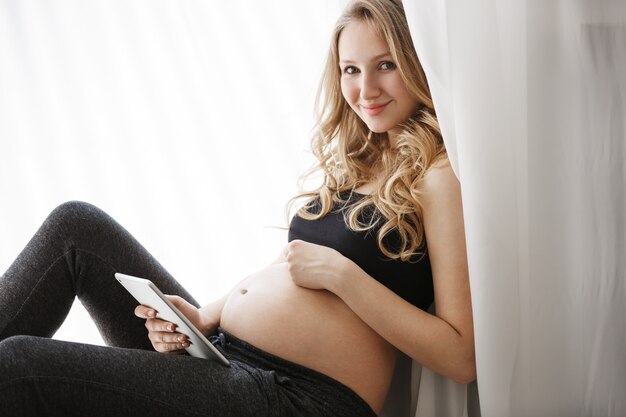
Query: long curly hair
column 349, row 155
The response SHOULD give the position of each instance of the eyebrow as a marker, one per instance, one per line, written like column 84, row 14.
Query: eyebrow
column 376, row 58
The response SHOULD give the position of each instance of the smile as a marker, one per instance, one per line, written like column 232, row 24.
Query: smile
column 374, row 110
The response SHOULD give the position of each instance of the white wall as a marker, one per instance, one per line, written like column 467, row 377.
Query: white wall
column 187, row 121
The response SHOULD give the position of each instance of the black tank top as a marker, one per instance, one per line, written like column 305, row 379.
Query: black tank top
column 410, row 280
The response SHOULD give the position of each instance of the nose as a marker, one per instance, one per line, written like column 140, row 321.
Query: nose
column 369, row 86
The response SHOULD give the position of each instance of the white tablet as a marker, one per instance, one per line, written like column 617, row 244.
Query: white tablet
column 149, row 295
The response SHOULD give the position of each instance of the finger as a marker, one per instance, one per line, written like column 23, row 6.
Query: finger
column 170, row 347
column 180, row 303
column 165, row 341
column 144, row 312
column 165, row 337
column 175, row 299
column 157, row 325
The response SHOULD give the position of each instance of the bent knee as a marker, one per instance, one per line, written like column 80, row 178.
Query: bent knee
column 73, row 219
column 23, row 361
column 16, row 357
column 12, row 346
column 72, row 210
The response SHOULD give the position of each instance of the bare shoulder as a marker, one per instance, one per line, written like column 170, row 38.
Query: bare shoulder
column 440, row 184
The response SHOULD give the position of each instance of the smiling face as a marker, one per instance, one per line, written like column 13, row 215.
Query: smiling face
column 370, row 80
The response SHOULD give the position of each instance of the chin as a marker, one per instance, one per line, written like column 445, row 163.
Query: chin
column 377, row 128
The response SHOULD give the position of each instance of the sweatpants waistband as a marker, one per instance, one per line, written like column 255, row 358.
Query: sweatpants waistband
column 316, row 384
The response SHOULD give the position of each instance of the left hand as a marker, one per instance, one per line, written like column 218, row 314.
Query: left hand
column 313, row 266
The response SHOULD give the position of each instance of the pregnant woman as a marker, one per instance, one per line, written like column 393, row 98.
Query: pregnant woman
column 315, row 333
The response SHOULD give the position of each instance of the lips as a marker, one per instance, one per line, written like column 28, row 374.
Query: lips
column 374, row 109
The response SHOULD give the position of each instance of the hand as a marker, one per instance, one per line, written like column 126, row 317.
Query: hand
column 163, row 333
column 313, row 266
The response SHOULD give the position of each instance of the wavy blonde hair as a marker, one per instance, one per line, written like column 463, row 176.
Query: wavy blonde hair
column 349, row 155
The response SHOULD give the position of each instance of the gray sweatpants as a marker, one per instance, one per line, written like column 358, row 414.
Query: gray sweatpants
column 76, row 253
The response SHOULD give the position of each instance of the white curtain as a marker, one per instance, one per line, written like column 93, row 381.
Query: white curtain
column 531, row 96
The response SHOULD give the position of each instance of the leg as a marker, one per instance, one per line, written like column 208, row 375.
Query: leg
column 76, row 252
column 40, row 376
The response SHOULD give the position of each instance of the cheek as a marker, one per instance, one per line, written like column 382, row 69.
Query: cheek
column 400, row 90
column 349, row 92
column 409, row 102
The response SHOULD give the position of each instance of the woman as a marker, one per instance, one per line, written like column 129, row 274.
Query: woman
column 316, row 332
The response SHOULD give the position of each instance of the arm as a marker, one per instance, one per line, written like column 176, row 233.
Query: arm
column 443, row 343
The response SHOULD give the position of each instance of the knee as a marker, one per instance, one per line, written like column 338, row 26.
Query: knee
column 15, row 357
column 77, row 216
column 22, row 361
column 12, row 346
column 23, row 357
column 72, row 211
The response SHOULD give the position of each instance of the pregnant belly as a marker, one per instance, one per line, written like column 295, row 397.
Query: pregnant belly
column 313, row 328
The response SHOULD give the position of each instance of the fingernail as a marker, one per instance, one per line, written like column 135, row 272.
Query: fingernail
column 180, row 339
column 170, row 327
column 150, row 313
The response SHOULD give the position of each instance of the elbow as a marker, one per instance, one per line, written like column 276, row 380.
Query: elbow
column 465, row 375
column 466, row 371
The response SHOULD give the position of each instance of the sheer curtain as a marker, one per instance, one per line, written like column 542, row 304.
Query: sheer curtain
column 531, row 98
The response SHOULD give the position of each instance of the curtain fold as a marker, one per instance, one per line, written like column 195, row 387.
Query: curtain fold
column 530, row 96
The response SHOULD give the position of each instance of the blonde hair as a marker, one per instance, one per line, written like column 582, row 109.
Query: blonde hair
column 350, row 155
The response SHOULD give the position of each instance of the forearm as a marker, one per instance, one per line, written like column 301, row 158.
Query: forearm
column 426, row 338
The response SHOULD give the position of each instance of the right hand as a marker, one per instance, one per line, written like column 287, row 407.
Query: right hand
column 162, row 334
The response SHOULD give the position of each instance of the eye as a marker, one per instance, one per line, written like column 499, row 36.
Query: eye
column 350, row 69
column 387, row 65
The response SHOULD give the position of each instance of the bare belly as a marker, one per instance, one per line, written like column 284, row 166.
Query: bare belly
column 313, row 328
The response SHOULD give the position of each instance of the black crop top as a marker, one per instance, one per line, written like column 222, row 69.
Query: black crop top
column 410, row 280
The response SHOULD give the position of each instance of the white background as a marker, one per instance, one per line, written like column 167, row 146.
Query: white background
column 188, row 121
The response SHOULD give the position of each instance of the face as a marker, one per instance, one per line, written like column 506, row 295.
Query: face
column 370, row 81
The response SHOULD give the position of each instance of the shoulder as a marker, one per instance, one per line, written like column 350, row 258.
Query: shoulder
column 440, row 184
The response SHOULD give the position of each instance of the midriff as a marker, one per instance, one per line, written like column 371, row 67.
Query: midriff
column 313, row 328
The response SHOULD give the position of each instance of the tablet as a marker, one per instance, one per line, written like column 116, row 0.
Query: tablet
column 149, row 295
